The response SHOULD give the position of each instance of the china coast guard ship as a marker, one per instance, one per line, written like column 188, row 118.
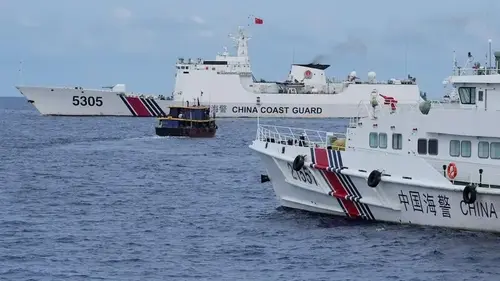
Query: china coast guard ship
column 228, row 85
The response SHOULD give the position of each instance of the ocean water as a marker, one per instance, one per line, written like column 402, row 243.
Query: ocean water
column 104, row 199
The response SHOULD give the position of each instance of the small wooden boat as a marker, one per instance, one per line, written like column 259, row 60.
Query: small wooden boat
column 187, row 121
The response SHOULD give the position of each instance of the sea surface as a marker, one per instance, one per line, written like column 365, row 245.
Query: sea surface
column 105, row 199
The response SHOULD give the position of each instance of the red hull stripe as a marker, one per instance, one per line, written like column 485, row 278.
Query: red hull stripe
column 342, row 186
column 350, row 185
column 353, row 193
column 128, row 105
column 138, row 107
column 313, row 160
column 150, row 108
column 338, row 190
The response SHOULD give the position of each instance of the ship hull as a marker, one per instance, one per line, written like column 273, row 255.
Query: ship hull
column 185, row 132
column 87, row 102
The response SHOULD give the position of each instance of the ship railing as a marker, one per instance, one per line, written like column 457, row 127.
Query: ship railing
column 296, row 136
column 474, row 178
column 363, row 111
column 463, row 71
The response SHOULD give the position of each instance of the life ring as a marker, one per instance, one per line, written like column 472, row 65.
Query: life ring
column 469, row 194
column 452, row 170
column 298, row 163
column 374, row 178
column 307, row 74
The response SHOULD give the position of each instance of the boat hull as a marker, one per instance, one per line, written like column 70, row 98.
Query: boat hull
column 88, row 102
column 185, row 132
column 413, row 192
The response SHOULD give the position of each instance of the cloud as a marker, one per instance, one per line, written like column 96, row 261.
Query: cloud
column 197, row 20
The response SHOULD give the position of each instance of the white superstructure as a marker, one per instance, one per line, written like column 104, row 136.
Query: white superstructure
column 429, row 165
column 229, row 86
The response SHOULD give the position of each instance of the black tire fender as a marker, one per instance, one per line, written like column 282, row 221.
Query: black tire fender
column 469, row 194
column 374, row 178
column 298, row 163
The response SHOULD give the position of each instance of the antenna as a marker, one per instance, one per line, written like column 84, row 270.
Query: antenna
column 258, row 121
column 20, row 72
column 406, row 56
column 489, row 45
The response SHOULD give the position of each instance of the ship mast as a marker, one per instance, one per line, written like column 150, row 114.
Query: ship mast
column 241, row 42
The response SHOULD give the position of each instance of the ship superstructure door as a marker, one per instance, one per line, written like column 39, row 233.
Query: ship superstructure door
column 481, row 98
column 487, row 99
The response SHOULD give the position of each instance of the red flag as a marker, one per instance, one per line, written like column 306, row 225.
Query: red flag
column 259, row 21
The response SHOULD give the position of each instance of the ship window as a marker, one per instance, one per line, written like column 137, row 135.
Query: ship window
column 454, row 148
column 382, row 140
column 465, row 148
column 483, row 149
column 422, row 146
column 467, row 95
column 373, row 140
column 397, row 141
column 480, row 96
column 433, row 147
column 495, row 150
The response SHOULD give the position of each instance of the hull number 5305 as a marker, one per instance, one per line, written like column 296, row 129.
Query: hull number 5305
column 303, row 175
column 87, row 101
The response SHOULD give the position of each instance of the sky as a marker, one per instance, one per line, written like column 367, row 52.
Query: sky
column 97, row 43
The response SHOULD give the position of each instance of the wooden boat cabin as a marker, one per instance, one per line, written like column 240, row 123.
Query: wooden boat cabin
column 187, row 121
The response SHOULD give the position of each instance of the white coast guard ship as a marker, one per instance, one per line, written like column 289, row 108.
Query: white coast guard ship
column 428, row 166
column 229, row 86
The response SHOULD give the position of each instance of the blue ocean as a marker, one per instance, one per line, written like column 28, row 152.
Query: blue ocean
column 105, row 199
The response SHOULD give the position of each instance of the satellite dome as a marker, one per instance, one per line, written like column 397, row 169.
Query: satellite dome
column 371, row 75
column 425, row 107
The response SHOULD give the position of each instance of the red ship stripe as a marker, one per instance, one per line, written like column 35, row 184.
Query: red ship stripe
column 122, row 97
column 138, row 107
column 339, row 190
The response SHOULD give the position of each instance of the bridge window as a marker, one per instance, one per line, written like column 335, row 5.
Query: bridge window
column 483, row 149
column 382, row 140
column 465, row 148
column 495, row 150
column 480, row 96
column 422, row 146
column 454, row 148
column 397, row 141
column 373, row 140
column 467, row 95
column 433, row 147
